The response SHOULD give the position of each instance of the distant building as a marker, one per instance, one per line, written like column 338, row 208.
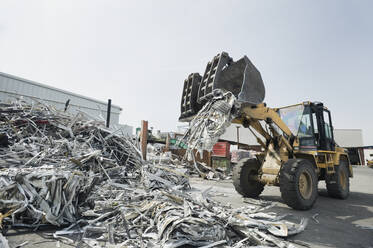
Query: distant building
column 246, row 139
column 352, row 140
column 368, row 153
column 349, row 137
column 12, row 87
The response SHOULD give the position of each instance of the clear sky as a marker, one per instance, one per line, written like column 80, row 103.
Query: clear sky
column 139, row 52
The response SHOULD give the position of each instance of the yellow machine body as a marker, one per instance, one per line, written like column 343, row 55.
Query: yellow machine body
column 274, row 156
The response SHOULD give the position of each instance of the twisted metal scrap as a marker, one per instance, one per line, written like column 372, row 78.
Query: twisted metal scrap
column 206, row 128
column 210, row 122
column 69, row 171
column 42, row 196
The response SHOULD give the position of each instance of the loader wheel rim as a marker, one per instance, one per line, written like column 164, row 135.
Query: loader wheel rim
column 305, row 185
column 342, row 179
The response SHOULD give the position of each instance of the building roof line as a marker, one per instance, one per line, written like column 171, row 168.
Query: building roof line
column 59, row 102
column 56, row 89
column 349, row 129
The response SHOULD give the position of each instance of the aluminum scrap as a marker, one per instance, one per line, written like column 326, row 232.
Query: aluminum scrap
column 69, row 171
column 210, row 122
column 3, row 242
column 206, row 128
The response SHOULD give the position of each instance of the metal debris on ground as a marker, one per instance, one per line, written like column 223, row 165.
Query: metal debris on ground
column 69, row 171
column 3, row 242
column 314, row 218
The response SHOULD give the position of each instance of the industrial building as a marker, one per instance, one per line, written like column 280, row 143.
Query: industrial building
column 368, row 153
column 12, row 87
column 236, row 133
column 352, row 140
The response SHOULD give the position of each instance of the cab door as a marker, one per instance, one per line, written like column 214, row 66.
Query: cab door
column 329, row 136
column 323, row 128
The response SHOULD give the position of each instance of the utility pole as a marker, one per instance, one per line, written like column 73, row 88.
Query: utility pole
column 108, row 113
column 238, row 137
column 144, row 138
column 167, row 148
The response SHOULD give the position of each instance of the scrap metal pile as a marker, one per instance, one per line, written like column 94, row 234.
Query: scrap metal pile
column 69, row 171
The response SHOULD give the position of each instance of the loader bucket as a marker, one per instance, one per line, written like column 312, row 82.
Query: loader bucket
column 189, row 104
column 240, row 77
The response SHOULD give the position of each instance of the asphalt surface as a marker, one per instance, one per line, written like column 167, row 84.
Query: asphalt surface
column 339, row 223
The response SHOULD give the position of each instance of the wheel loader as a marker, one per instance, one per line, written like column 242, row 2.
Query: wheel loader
column 298, row 146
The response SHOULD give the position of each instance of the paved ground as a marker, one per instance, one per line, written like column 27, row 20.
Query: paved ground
column 342, row 223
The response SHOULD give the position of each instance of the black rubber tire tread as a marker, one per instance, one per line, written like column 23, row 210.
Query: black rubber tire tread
column 333, row 184
column 289, row 181
column 241, row 182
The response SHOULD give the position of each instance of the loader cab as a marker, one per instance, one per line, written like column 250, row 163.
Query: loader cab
column 311, row 123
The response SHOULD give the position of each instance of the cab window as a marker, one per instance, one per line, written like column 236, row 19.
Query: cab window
column 328, row 130
column 305, row 128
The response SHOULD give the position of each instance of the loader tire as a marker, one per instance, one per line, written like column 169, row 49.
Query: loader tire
column 244, row 174
column 338, row 184
column 298, row 184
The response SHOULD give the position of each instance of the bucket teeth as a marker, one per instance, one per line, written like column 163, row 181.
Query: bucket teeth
column 189, row 104
column 211, row 76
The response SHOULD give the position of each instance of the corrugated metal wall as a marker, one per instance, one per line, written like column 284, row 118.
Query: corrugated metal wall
column 12, row 87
